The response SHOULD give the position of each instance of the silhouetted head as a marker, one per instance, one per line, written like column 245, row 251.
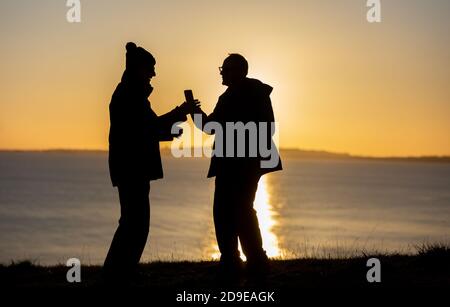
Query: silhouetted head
column 140, row 63
column 234, row 69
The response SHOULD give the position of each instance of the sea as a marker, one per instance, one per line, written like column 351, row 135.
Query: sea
column 56, row 205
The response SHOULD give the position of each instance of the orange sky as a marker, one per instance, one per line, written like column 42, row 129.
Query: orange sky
column 340, row 83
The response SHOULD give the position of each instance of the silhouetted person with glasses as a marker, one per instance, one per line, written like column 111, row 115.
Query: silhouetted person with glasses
column 134, row 159
column 245, row 100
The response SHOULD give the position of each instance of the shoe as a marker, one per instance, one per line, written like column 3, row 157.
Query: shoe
column 230, row 272
column 258, row 268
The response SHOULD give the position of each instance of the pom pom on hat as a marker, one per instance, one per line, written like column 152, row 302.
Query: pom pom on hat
column 130, row 46
column 138, row 56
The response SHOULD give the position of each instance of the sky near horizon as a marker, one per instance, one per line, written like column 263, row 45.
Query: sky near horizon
column 340, row 83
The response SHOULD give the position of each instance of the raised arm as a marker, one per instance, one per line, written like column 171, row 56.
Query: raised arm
column 200, row 118
column 166, row 121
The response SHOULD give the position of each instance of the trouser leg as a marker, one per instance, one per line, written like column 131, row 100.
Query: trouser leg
column 131, row 235
column 247, row 221
column 225, row 221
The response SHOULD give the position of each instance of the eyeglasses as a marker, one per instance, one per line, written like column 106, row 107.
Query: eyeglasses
column 228, row 68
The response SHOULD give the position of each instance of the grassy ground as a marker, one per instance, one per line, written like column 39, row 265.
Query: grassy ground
column 429, row 267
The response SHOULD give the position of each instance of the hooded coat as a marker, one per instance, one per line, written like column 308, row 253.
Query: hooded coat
column 247, row 102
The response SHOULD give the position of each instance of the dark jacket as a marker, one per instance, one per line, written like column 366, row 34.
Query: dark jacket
column 135, row 132
column 247, row 102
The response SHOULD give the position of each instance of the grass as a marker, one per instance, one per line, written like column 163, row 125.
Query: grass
column 428, row 267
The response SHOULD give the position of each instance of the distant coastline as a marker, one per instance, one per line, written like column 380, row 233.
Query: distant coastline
column 300, row 154
column 326, row 155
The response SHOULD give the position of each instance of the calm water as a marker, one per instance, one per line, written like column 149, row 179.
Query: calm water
column 54, row 206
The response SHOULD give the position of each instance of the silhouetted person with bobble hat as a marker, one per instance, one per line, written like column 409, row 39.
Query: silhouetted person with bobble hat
column 134, row 159
column 246, row 100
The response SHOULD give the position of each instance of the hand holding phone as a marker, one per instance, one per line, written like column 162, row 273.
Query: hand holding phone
column 189, row 95
column 191, row 104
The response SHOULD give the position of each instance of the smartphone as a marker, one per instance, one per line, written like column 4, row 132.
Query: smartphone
column 188, row 95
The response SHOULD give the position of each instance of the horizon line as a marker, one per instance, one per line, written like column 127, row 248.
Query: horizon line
column 322, row 152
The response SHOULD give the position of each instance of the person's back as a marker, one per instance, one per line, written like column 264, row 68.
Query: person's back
column 133, row 144
column 247, row 102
